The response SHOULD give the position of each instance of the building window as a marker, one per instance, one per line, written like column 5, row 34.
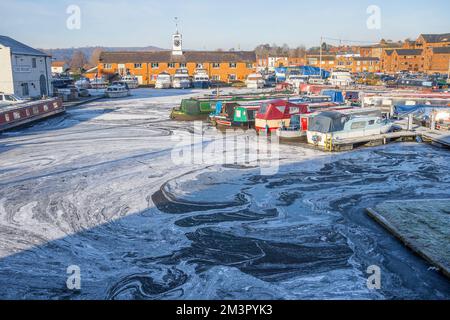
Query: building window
column 172, row 65
column 249, row 65
column 33, row 62
column 155, row 65
column 199, row 65
column 138, row 65
column 215, row 77
column 25, row 90
column 216, row 65
column 107, row 66
column 182, row 65
column 232, row 64
column 232, row 77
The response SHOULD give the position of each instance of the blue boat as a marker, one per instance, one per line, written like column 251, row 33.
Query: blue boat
column 201, row 79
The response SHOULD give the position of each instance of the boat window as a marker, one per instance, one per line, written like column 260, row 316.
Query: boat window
column 263, row 108
column 358, row 125
column 8, row 97
column 281, row 109
column 238, row 113
column 371, row 122
column 293, row 110
column 16, row 115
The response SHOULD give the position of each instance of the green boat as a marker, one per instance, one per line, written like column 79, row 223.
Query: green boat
column 200, row 108
column 234, row 115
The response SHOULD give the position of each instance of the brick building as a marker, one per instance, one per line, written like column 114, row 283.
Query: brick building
column 226, row 66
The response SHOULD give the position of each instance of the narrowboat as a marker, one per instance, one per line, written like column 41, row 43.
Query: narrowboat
column 234, row 115
column 296, row 130
column 192, row 109
column 18, row 114
column 200, row 108
column 273, row 113
column 333, row 125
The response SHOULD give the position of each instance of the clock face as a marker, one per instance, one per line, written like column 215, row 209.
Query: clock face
column 177, row 42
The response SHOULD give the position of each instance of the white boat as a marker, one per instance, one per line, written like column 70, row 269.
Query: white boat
column 163, row 81
column 131, row 81
column 334, row 126
column 181, row 79
column 316, row 80
column 99, row 83
column 8, row 99
column 255, row 81
column 340, row 78
column 83, row 83
column 117, row 90
column 295, row 80
column 201, row 79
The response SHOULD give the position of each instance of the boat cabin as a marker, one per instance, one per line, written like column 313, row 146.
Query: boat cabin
column 334, row 125
column 272, row 113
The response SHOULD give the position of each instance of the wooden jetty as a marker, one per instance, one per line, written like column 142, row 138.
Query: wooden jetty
column 370, row 141
column 422, row 225
column 437, row 137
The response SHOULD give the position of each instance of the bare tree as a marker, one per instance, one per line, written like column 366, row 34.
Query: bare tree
column 95, row 57
column 78, row 60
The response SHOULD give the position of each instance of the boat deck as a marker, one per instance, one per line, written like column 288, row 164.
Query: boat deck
column 422, row 225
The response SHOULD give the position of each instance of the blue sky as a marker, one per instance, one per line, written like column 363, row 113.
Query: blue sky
column 211, row 24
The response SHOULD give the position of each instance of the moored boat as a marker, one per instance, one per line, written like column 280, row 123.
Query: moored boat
column 117, row 90
column 201, row 79
column 330, row 126
column 131, row 81
column 255, row 81
column 163, row 81
column 234, row 115
column 22, row 113
column 276, row 113
column 181, row 79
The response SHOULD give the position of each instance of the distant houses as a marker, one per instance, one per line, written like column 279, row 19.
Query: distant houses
column 25, row 72
column 59, row 67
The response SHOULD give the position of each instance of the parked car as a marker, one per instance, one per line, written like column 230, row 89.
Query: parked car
column 7, row 99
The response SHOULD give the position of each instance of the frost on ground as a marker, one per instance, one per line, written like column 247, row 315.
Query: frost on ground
column 97, row 188
column 424, row 225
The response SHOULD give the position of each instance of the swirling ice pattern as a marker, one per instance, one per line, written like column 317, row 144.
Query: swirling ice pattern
column 98, row 190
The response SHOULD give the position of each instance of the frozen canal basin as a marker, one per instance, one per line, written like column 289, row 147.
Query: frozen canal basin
column 98, row 188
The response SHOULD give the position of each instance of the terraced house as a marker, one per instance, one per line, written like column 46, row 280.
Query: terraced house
column 225, row 66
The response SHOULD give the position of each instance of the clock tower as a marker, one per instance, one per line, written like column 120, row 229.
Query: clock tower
column 177, row 41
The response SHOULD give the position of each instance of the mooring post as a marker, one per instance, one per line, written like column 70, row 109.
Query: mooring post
column 410, row 122
column 433, row 121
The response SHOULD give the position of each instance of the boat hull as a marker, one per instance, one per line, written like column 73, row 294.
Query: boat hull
column 121, row 94
column 181, row 116
column 24, row 113
column 202, row 84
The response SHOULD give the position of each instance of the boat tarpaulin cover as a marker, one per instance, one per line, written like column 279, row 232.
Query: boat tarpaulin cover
column 303, row 70
column 336, row 96
column 419, row 108
column 327, row 121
